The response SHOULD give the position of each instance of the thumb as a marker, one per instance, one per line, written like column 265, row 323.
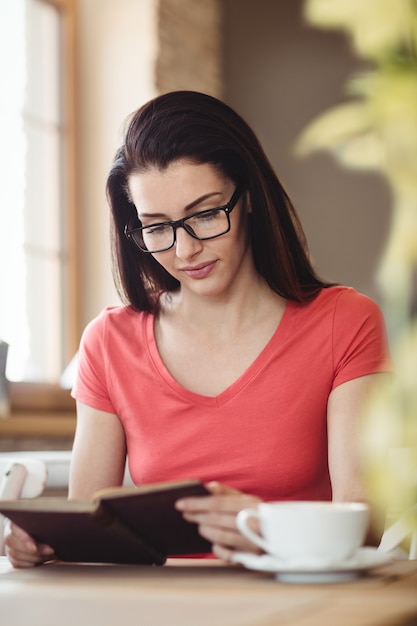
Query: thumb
column 218, row 489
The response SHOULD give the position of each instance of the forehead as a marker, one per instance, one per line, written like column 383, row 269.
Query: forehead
column 178, row 184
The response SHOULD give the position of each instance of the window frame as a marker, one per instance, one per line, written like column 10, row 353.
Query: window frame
column 34, row 397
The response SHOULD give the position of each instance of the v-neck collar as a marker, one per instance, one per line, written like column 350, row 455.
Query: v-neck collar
column 233, row 389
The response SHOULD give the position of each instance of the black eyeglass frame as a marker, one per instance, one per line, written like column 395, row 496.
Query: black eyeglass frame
column 182, row 223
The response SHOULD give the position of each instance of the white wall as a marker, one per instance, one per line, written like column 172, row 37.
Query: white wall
column 116, row 50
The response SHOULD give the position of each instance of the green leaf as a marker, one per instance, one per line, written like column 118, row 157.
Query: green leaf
column 347, row 132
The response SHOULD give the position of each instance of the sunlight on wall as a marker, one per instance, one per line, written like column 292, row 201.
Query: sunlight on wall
column 32, row 241
column 118, row 46
column 13, row 310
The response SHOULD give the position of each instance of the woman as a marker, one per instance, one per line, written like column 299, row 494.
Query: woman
column 231, row 361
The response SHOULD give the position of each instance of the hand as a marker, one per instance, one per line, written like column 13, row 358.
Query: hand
column 216, row 518
column 22, row 550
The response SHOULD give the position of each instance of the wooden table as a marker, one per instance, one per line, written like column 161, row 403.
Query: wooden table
column 191, row 592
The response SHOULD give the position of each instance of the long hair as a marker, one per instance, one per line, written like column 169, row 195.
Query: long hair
column 199, row 128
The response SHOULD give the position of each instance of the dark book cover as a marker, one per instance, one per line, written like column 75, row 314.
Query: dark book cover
column 121, row 525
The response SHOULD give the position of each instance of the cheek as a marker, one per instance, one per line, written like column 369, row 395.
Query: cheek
column 164, row 259
column 237, row 241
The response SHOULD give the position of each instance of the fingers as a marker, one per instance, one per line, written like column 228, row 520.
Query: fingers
column 223, row 499
column 230, row 539
column 215, row 516
column 20, row 559
column 22, row 550
column 222, row 552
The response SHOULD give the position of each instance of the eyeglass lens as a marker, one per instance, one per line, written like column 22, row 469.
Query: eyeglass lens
column 204, row 225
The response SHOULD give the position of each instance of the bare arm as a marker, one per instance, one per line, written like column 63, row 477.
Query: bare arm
column 345, row 408
column 99, row 452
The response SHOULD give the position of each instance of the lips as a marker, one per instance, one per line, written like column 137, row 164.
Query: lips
column 199, row 271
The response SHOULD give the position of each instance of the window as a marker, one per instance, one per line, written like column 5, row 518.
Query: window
column 37, row 210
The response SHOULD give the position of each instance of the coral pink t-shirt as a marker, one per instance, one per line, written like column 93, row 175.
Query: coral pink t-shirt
column 266, row 434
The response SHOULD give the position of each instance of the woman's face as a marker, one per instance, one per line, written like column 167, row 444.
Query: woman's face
column 209, row 267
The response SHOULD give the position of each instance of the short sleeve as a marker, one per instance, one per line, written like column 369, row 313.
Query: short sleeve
column 91, row 381
column 360, row 345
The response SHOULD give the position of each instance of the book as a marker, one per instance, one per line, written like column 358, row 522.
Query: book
column 137, row 525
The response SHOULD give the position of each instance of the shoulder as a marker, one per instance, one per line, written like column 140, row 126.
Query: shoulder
column 113, row 321
column 359, row 337
column 346, row 302
column 345, row 316
column 116, row 315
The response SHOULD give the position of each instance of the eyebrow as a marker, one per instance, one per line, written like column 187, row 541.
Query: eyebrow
column 187, row 208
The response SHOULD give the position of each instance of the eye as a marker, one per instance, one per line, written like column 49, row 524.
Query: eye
column 156, row 229
column 207, row 216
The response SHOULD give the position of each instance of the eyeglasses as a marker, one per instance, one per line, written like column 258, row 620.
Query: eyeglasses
column 204, row 225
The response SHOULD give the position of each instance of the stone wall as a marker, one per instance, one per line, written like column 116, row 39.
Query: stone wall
column 190, row 47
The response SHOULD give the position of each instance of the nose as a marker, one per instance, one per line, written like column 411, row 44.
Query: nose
column 186, row 246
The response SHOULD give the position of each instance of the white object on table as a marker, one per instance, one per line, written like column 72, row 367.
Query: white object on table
column 21, row 478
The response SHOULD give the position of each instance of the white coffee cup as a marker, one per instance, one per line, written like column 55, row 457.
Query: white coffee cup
column 307, row 533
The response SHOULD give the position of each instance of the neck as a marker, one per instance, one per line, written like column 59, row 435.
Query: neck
column 225, row 315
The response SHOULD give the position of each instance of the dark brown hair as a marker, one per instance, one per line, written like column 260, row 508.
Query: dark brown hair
column 200, row 128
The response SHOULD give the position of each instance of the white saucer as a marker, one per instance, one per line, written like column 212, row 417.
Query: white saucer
column 364, row 559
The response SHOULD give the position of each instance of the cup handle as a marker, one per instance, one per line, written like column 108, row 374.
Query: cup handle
column 242, row 524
